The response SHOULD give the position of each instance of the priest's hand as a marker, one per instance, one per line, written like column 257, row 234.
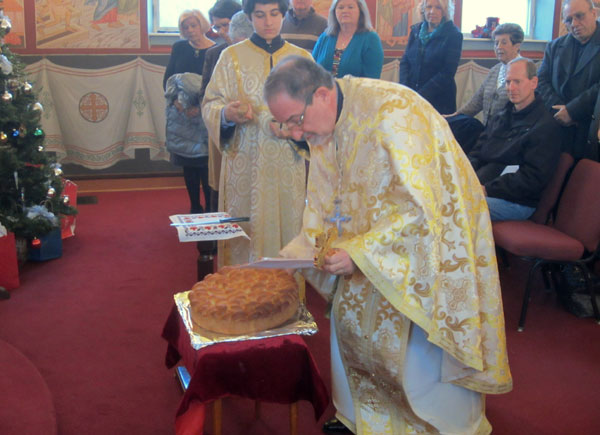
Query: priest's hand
column 562, row 116
column 339, row 263
column 238, row 112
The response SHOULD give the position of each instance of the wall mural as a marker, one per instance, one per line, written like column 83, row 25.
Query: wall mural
column 393, row 21
column 14, row 10
column 87, row 24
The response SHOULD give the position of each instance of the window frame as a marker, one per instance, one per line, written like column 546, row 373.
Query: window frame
column 154, row 26
column 541, row 20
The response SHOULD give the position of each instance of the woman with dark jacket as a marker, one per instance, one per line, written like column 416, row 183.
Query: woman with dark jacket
column 186, row 135
column 432, row 54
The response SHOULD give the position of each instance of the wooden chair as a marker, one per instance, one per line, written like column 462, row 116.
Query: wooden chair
column 572, row 238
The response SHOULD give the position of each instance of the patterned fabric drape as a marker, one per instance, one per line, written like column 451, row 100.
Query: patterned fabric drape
column 96, row 117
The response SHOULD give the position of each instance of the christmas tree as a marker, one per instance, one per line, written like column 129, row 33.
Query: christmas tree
column 31, row 200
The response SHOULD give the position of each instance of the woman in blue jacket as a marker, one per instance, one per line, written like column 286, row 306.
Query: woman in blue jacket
column 432, row 54
column 349, row 45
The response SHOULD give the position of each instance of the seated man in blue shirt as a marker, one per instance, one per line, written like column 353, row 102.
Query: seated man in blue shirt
column 517, row 153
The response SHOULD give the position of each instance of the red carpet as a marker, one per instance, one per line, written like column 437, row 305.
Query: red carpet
column 90, row 325
column 24, row 393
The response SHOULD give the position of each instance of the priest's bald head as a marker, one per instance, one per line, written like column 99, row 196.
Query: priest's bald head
column 302, row 96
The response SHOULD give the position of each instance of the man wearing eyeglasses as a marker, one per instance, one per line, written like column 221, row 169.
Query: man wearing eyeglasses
column 262, row 176
column 220, row 17
column 417, row 327
column 570, row 74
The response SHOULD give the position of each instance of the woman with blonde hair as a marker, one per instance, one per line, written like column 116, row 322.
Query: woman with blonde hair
column 186, row 135
column 349, row 45
column 432, row 55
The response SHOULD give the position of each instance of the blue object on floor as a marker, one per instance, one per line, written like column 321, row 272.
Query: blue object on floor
column 50, row 247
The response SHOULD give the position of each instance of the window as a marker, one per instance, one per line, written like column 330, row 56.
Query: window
column 475, row 13
column 165, row 14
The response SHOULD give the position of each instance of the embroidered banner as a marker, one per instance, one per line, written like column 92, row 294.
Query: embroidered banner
column 96, row 117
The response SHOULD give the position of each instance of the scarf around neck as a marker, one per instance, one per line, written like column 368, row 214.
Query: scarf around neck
column 426, row 36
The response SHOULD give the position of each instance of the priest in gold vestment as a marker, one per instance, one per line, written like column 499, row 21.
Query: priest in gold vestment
column 262, row 176
column 417, row 322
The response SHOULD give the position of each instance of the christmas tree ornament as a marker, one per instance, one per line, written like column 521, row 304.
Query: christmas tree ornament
column 3, row 137
column 38, row 132
column 27, row 87
column 5, row 24
column 22, row 131
column 51, row 192
column 13, row 84
column 7, row 97
column 58, row 172
column 36, row 243
column 5, row 66
column 37, row 107
column 41, row 148
column 15, row 132
column 66, row 200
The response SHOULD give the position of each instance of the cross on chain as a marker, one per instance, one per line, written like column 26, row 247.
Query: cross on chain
column 337, row 217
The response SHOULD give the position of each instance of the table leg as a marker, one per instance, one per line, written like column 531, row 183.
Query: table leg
column 294, row 418
column 205, row 264
column 217, row 416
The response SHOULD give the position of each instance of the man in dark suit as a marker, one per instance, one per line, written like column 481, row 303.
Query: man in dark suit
column 594, row 134
column 518, row 151
column 570, row 74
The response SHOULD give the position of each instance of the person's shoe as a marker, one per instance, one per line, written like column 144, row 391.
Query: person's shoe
column 335, row 426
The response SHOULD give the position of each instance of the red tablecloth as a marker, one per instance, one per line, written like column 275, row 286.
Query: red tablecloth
column 278, row 369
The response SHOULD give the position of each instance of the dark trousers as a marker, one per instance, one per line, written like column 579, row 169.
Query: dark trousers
column 466, row 130
column 194, row 177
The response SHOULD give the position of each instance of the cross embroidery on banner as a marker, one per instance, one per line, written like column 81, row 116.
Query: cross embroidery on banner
column 337, row 217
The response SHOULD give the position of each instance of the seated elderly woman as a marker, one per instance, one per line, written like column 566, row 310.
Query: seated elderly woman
column 349, row 45
column 432, row 54
column 491, row 96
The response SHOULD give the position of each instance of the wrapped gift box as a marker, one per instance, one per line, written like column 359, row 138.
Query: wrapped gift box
column 9, row 268
column 46, row 247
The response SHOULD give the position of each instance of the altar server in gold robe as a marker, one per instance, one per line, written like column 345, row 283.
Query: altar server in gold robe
column 262, row 176
column 417, row 322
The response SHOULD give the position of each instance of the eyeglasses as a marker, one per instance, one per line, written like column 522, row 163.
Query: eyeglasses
column 291, row 122
column 579, row 16
column 218, row 27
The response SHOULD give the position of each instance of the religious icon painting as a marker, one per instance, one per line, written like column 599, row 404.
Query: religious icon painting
column 85, row 24
column 14, row 10
column 393, row 20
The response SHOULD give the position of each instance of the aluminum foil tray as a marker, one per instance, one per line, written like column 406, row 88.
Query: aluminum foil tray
column 301, row 324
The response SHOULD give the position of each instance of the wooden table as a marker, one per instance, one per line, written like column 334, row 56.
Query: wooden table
column 277, row 369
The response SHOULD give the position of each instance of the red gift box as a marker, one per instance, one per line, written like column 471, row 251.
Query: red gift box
column 9, row 268
column 67, row 222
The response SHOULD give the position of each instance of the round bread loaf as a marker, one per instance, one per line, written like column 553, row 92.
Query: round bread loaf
column 237, row 301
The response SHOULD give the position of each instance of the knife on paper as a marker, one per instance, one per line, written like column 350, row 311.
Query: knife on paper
column 214, row 222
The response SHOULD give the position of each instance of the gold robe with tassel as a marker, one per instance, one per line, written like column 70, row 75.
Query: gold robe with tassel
column 421, row 238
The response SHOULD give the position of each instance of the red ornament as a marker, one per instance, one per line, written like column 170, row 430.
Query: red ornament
column 36, row 243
